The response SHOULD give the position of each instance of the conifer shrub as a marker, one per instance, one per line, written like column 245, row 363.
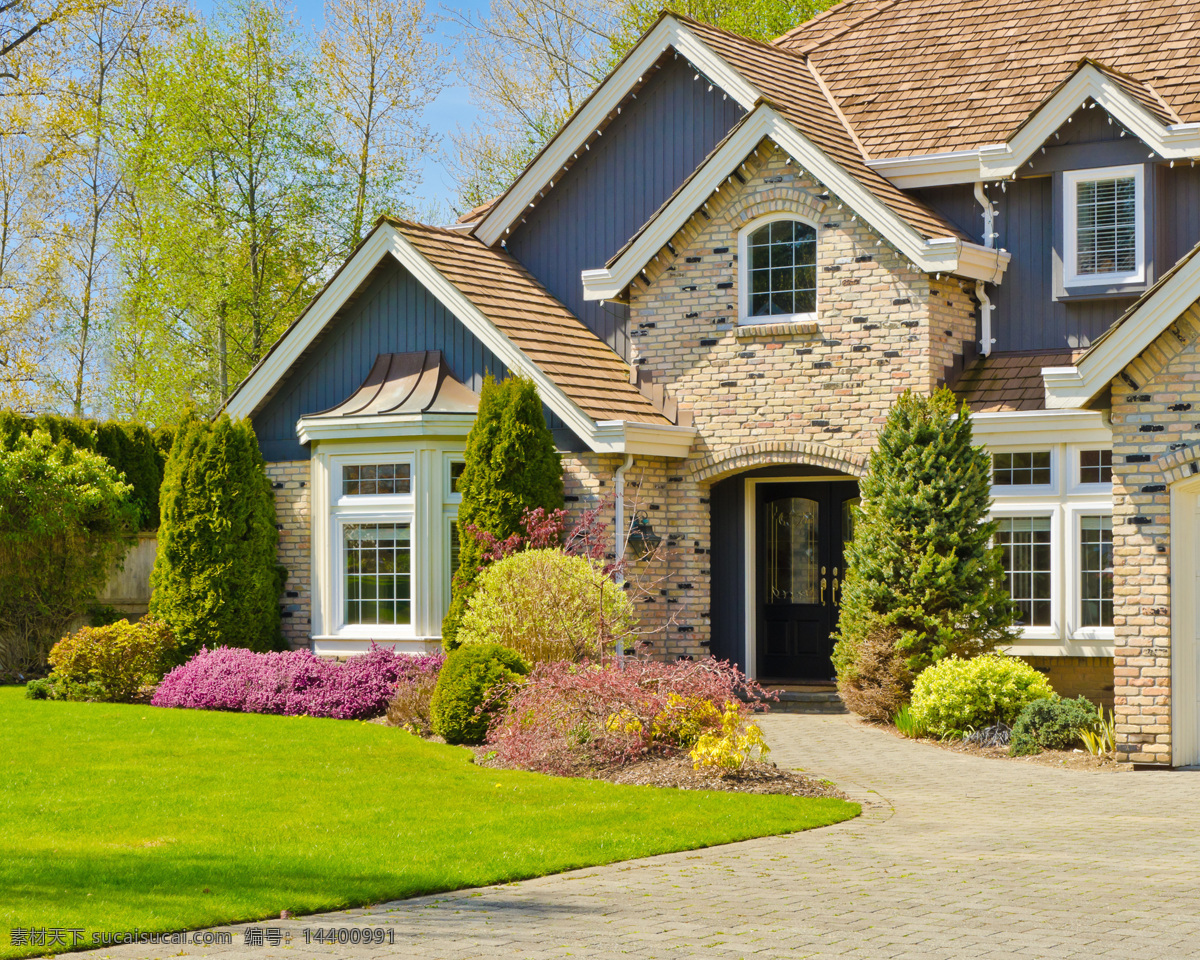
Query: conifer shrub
column 921, row 563
column 548, row 605
column 956, row 696
column 215, row 580
column 66, row 519
column 876, row 684
column 110, row 663
column 511, row 467
column 472, row 688
column 1051, row 724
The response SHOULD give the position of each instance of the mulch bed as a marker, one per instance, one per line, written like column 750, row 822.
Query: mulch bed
column 677, row 772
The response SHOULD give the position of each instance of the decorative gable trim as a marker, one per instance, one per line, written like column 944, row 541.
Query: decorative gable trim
column 941, row 255
column 1111, row 91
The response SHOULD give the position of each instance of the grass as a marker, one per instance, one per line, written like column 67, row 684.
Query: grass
column 115, row 817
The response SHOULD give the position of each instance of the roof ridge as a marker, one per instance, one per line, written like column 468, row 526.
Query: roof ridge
column 823, row 15
column 692, row 21
column 1128, row 78
column 833, row 104
column 842, row 31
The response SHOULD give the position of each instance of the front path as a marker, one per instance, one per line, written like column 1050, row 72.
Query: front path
column 954, row 857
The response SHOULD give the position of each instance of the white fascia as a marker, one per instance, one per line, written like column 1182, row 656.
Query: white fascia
column 593, row 114
column 375, row 427
column 1068, row 387
column 644, row 439
column 1180, row 141
column 1007, row 428
column 939, row 255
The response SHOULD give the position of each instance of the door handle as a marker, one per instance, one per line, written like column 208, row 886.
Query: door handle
column 822, row 591
column 833, row 592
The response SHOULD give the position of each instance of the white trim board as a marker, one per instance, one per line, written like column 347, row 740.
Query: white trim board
column 1180, row 141
column 1073, row 387
column 387, row 239
column 938, row 255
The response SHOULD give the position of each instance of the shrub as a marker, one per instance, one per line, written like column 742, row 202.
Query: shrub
column 732, row 745
column 291, row 683
column 876, row 683
column 1051, row 724
column 569, row 718
column 511, row 467
column 65, row 520
column 215, row 581
column 120, row 658
column 921, row 561
column 471, row 689
column 409, row 707
column 955, row 696
column 547, row 605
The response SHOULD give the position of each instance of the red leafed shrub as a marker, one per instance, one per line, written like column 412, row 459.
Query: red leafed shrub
column 572, row 717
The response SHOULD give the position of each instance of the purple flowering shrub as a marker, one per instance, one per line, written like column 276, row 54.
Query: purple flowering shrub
column 293, row 683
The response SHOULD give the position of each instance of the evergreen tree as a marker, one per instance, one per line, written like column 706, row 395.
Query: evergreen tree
column 921, row 562
column 511, row 466
column 215, row 580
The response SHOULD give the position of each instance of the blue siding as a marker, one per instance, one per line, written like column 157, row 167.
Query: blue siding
column 644, row 154
column 1178, row 199
column 393, row 314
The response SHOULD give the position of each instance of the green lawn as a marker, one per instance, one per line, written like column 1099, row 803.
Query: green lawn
column 115, row 817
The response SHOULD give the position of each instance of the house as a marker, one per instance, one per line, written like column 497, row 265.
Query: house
column 722, row 271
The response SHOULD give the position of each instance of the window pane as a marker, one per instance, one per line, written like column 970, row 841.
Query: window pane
column 792, row 554
column 456, row 471
column 374, row 479
column 782, row 269
column 1106, row 226
column 1024, row 468
column 1095, row 571
column 377, row 578
column 1025, row 549
column 1095, row 466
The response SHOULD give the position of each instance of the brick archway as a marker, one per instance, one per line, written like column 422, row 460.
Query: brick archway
column 771, row 453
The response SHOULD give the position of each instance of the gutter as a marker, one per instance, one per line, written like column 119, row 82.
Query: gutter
column 985, row 303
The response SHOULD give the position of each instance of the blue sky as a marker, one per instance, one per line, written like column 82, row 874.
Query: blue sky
column 451, row 109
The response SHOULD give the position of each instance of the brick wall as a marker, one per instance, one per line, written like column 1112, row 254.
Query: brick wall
column 1156, row 425
column 291, row 484
column 1071, row 677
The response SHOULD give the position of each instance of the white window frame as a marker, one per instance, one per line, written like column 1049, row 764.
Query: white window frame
column 1071, row 180
column 1075, row 512
column 1076, row 485
column 1052, row 510
column 743, row 243
column 1028, row 489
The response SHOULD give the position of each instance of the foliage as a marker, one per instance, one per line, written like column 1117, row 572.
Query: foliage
column 119, row 659
column 410, row 704
column 511, row 467
column 311, row 815
column 547, row 605
column 129, row 447
column 215, row 581
column 877, row 682
column 732, row 745
column 65, row 519
column 472, row 688
column 1100, row 735
column 570, row 718
column 955, row 696
column 921, row 561
column 906, row 723
column 292, row 683
column 1051, row 724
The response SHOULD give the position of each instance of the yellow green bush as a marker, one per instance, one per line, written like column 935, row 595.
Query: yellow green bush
column 954, row 696
column 729, row 748
column 114, row 661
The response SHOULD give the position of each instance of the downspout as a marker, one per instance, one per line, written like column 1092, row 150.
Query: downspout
column 621, row 531
column 985, row 304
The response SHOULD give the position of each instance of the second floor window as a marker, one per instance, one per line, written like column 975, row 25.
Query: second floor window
column 779, row 272
column 1104, row 227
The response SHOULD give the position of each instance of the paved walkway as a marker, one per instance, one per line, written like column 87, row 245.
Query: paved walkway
column 954, row 857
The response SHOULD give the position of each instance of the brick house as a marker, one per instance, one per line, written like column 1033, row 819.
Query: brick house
column 721, row 272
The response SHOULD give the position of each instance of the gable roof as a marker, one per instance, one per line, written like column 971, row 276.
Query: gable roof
column 917, row 77
column 751, row 73
column 578, row 377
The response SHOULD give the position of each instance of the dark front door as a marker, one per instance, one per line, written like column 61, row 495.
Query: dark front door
column 801, row 536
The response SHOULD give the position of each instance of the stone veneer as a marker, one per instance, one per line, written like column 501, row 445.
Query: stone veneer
column 1156, row 439
column 290, row 481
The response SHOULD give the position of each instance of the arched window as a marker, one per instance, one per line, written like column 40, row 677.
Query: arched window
column 778, row 271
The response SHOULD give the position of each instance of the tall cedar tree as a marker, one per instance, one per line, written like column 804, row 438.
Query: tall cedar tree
column 921, row 561
column 511, row 466
column 215, row 579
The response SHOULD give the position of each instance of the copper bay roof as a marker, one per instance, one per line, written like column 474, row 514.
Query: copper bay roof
column 402, row 384
column 915, row 77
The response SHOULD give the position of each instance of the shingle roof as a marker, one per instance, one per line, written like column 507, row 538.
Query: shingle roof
column 582, row 365
column 924, row 76
column 1009, row 381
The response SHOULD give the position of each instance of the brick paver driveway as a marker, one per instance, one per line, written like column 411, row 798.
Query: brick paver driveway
column 954, row 857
